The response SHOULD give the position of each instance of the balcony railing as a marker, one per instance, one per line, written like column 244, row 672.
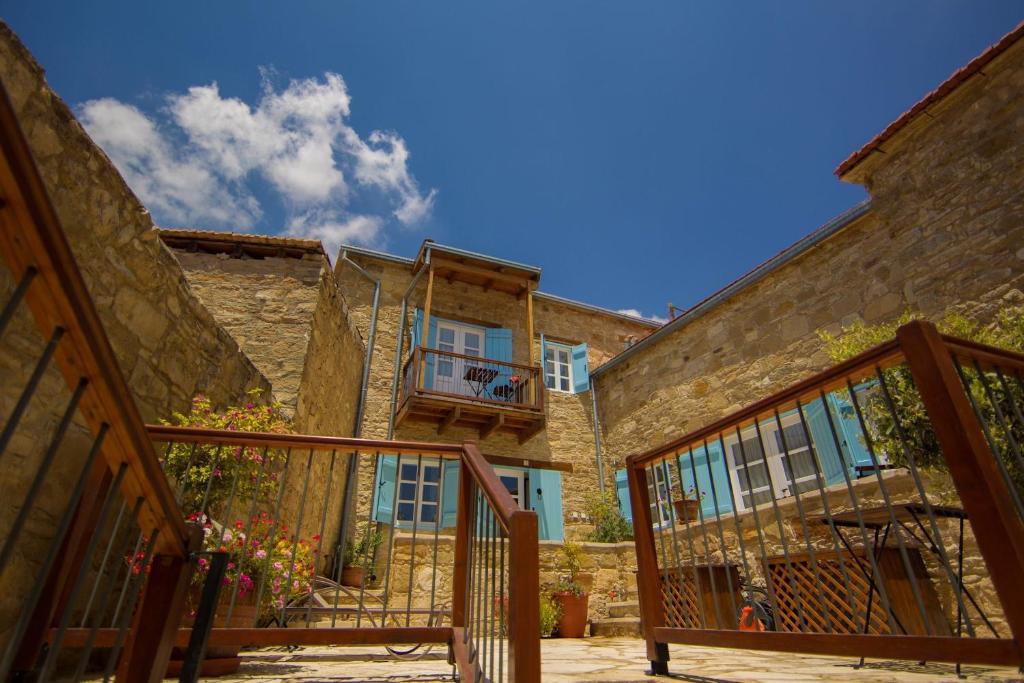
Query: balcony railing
column 871, row 510
column 457, row 376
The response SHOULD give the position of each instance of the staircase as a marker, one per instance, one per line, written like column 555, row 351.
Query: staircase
column 623, row 620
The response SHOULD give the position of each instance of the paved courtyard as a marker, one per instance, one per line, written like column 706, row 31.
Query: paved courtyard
column 598, row 660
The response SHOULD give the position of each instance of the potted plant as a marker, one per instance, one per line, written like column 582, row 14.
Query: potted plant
column 570, row 595
column 688, row 509
column 549, row 615
column 359, row 555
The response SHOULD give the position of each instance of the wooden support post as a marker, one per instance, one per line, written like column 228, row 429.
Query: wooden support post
column 983, row 491
column 523, row 605
column 463, row 531
column 426, row 322
column 493, row 425
column 449, row 420
column 652, row 611
column 529, row 324
column 155, row 623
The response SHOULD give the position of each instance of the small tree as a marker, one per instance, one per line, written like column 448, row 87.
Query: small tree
column 609, row 524
column 921, row 443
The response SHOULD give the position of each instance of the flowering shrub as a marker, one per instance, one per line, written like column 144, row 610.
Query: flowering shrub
column 206, row 474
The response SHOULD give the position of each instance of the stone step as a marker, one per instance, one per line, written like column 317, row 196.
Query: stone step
column 616, row 627
column 629, row 608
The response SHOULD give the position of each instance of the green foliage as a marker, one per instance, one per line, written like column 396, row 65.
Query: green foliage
column 572, row 563
column 550, row 611
column 207, row 474
column 361, row 551
column 609, row 524
column 918, row 439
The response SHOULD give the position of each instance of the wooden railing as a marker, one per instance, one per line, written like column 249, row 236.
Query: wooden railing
column 842, row 515
column 74, row 457
column 458, row 376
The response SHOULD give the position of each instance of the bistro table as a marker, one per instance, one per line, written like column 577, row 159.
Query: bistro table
column 912, row 518
column 478, row 377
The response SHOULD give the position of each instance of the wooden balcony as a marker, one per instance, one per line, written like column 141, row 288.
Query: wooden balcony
column 451, row 389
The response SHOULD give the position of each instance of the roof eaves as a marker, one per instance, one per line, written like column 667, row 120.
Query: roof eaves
column 955, row 80
column 373, row 253
column 596, row 309
column 736, row 286
column 434, row 246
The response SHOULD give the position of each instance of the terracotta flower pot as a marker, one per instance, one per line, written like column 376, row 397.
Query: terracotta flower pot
column 352, row 575
column 573, row 622
column 687, row 510
column 222, row 659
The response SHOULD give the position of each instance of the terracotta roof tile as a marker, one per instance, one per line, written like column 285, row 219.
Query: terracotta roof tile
column 947, row 86
column 241, row 238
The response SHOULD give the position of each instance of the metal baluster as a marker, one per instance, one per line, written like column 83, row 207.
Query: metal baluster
column 274, row 523
column 878, row 582
column 16, row 297
column 794, row 586
column 209, row 484
column 29, row 606
column 420, row 476
column 295, row 539
column 769, row 584
column 481, row 577
column 103, row 565
column 504, row 617
column 939, row 544
column 108, row 592
column 122, row 631
column 179, row 494
column 719, row 623
column 40, row 477
column 470, row 561
column 988, row 437
column 887, row 500
column 697, row 582
column 718, row 523
column 248, row 533
column 492, row 607
column 855, row 611
column 364, row 563
column 485, row 587
column 320, row 540
column 652, row 485
column 1016, row 408
column 736, row 523
column 1011, row 440
column 391, row 541
column 30, row 389
column 437, row 530
column 812, row 556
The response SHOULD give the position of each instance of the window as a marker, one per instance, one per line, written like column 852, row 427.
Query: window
column 419, row 488
column 761, row 474
column 515, row 482
column 558, row 367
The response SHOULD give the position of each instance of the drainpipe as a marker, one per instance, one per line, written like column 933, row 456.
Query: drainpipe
column 597, row 436
column 398, row 344
column 353, row 462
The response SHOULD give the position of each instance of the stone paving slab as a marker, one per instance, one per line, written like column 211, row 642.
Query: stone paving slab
column 598, row 660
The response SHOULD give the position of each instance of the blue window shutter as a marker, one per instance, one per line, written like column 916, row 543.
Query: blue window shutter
column 384, row 489
column 546, row 498
column 498, row 346
column 850, row 435
column 416, row 333
column 622, row 493
column 449, row 493
column 580, row 371
column 714, row 486
column 543, row 363
column 824, row 444
column 430, row 359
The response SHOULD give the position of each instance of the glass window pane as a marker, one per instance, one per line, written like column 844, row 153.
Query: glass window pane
column 430, row 493
column 431, row 473
column 444, row 368
column 405, row 512
column 758, row 474
column 795, row 438
column 407, row 491
column 511, row 483
column 446, row 335
column 472, row 340
column 802, row 463
column 565, row 384
column 428, row 513
column 549, row 353
column 408, row 472
column 563, row 356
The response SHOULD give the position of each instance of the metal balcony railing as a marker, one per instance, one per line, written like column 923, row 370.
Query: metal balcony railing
column 458, row 376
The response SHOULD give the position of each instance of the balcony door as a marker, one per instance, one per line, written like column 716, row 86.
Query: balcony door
column 452, row 374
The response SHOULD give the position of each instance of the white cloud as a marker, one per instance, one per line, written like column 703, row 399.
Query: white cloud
column 194, row 167
column 634, row 313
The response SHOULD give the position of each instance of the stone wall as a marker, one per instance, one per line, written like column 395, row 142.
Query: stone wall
column 167, row 344
column 568, row 436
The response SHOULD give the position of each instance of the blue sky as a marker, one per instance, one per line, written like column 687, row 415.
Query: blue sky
column 640, row 152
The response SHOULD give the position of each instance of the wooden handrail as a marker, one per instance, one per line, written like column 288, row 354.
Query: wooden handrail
column 167, row 433
column 31, row 237
column 500, row 500
column 480, row 359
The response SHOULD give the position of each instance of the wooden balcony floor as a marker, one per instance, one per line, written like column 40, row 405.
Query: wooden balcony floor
column 488, row 417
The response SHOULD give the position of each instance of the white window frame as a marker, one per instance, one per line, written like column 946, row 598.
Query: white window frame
column 451, row 383
column 779, row 484
column 557, row 364
column 519, row 475
column 421, row 485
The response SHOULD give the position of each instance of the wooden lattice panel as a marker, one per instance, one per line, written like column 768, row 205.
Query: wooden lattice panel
column 681, row 588
column 799, row 592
